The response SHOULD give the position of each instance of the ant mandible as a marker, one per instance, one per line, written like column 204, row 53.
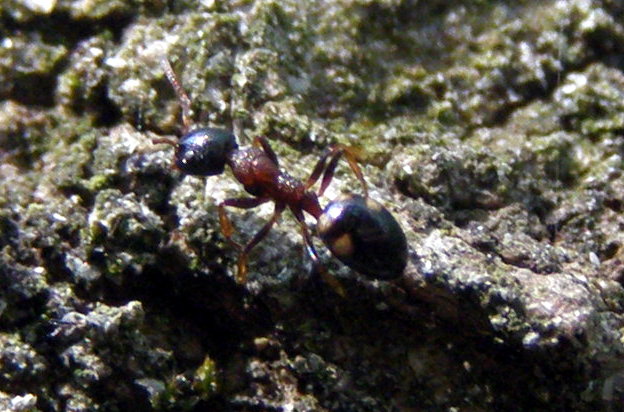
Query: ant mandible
column 357, row 230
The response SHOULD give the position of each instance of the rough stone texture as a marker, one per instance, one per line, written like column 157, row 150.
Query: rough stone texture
column 494, row 132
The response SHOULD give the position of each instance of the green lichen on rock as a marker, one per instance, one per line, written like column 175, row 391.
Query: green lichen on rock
column 206, row 379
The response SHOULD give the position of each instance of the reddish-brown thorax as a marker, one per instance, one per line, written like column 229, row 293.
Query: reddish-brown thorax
column 261, row 177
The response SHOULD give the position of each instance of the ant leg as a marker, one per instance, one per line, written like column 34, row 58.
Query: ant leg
column 352, row 156
column 226, row 224
column 318, row 169
column 317, row 266
column 328, row 172
column 263, row 143
column 237, row 126
column 183, row 98
column 227, row 229
column 241, row 275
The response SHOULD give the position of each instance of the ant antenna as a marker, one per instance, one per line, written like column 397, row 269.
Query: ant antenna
column 185, row 102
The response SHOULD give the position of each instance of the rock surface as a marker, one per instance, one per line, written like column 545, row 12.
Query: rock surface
column 494, row 132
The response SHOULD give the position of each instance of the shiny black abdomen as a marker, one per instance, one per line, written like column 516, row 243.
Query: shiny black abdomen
column 364, row 236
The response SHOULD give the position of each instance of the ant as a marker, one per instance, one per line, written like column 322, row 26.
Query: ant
column 357, row 230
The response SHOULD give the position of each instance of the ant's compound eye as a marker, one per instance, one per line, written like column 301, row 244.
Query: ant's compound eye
column 204, row 152
column 363, row 235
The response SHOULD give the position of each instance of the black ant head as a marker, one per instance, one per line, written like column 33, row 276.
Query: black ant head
column 204, row 152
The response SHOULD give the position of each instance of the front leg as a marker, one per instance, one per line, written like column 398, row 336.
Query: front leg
column 263, row 143
column 227, row 229
column 334, row 155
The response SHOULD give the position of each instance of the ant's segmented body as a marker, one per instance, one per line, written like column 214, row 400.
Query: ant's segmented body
column 358, row 231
